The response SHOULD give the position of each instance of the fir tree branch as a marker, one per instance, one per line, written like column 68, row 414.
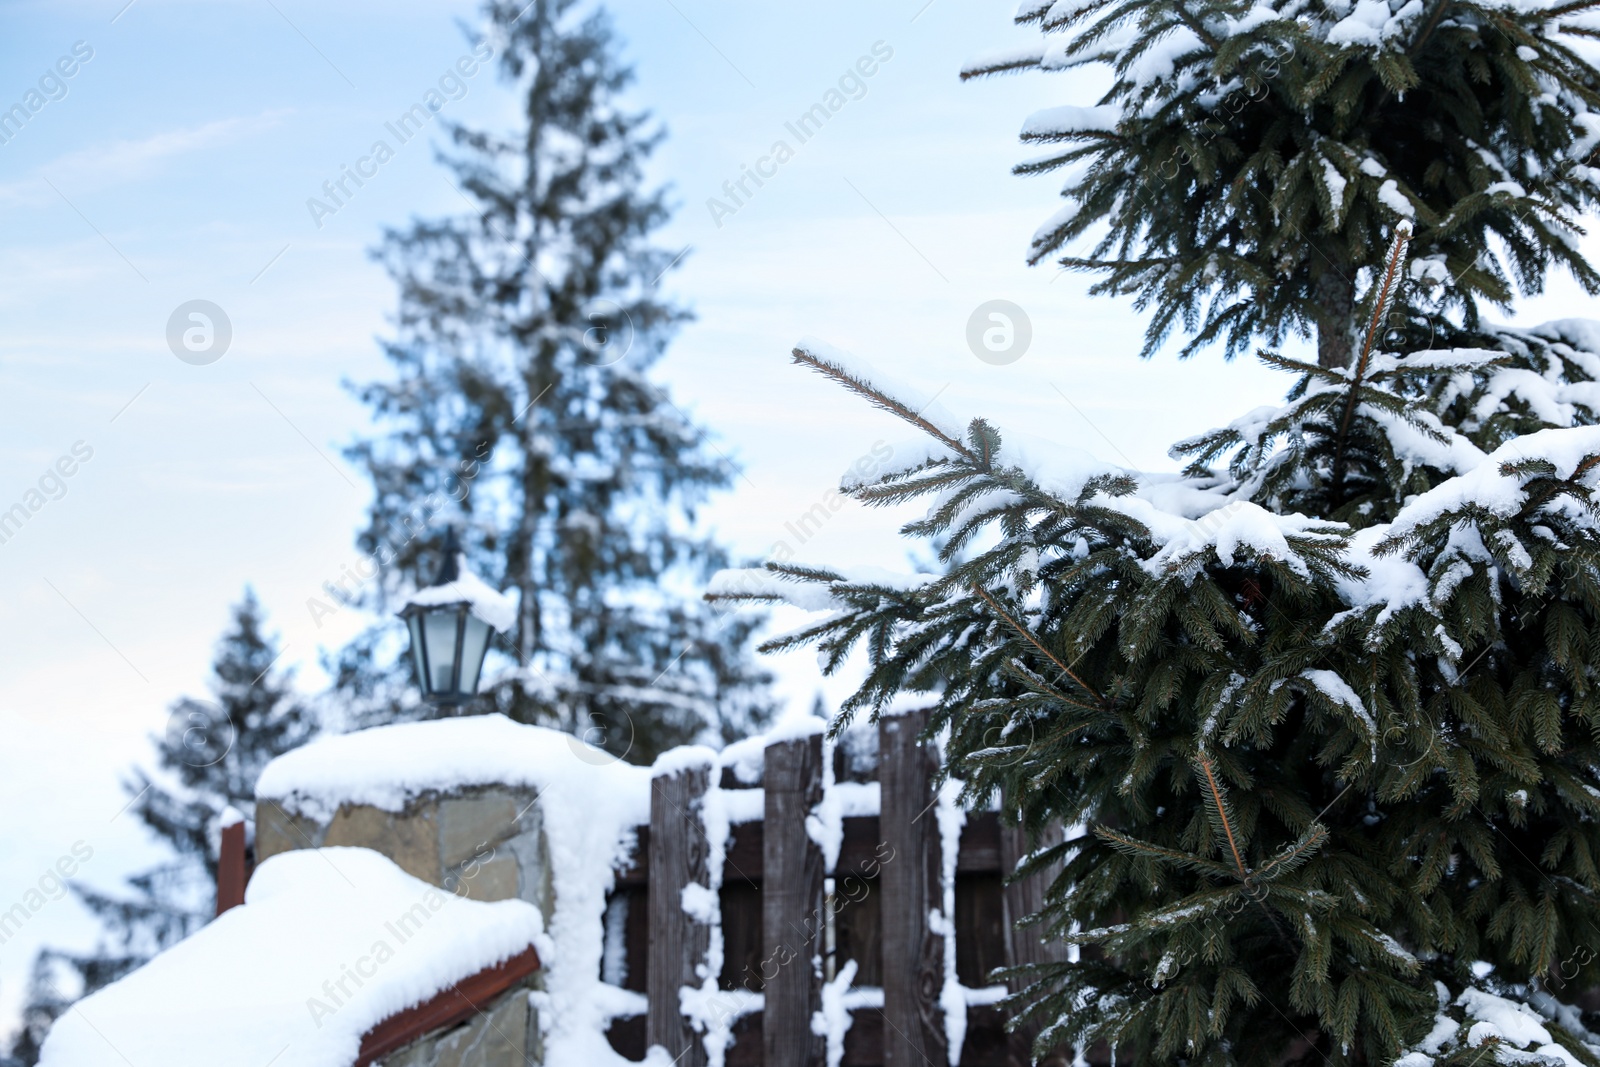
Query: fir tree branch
column 1222, row 813
column 1196, row 27
column 880, row 399
column 1295, row 854
column 1380, row 307
column 1575, row 8
column 1428, row 27
column 1043, row 688
column 1027, row 634
column 1133, row 846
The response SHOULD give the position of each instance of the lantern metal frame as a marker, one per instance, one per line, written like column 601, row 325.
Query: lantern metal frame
column 417, row 616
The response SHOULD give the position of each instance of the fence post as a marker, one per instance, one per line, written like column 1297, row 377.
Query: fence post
column 233, row 869
column 678, row 858
column 792, row 918
column 1023, row 946
column 913, row 955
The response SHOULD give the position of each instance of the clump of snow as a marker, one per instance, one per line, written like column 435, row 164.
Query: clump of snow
column 1390, row 196
column 737, row 584
column 1392, row 581
column 1059, row 122
column 328, row 944
column 699, row 903
column 1505, row 1019
column 683, row 758
column 389, row 766
column 744, row 805
column 714, row 1011
column 1239, row 525
column 834, row 1020
column 1518, row 1029
column 746, row 759
column 487, row 603
column 1488, row 488
column 1336, row 689
column 1364, row 25
column 794, row 728
column 952, row 995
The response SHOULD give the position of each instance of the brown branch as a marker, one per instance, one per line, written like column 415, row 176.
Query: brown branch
column 1025, row 632
column 1428, row 27
column 879, row 399
column 1222, row 813
column 1380, row 306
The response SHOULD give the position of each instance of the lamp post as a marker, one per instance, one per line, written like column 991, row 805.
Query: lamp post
column 451, row 622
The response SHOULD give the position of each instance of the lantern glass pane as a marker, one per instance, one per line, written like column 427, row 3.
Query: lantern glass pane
column 474, row 643
column 414, row 624
column 439, row 630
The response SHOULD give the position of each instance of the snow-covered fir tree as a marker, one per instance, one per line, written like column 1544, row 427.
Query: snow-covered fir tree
column 1325, row 704
column 1242, row 167
column 208, row 761
column 522, row 411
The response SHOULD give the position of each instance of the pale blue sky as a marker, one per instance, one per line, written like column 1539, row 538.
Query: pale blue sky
column 177, row 167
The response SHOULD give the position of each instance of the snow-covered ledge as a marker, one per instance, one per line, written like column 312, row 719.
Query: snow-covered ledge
column 489, row 809
column 440, row 799
column 336, row 958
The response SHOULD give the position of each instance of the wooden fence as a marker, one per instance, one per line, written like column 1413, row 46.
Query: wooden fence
column 785, row 935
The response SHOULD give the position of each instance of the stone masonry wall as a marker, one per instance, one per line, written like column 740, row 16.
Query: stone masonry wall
column 485, row 844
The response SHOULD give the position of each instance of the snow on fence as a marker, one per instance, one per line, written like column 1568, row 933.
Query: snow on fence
column 784, row 909
column 784, row 902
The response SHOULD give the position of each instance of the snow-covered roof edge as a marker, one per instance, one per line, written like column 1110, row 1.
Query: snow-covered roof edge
column 486, row 602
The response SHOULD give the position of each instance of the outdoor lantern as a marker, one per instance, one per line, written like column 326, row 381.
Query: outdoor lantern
column 450, row 623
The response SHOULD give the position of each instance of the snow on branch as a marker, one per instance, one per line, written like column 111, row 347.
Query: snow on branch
column 1500, row 486
column 860, row 378
column 1000, row 61
column 1070, row 122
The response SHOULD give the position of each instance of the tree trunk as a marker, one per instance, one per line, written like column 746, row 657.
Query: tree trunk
column 1335, row 297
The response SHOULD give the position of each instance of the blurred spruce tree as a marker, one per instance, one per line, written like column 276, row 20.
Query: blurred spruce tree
column 208, row 760
column 521, row 410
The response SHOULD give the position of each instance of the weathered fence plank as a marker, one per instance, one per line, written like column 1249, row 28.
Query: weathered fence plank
column 678, row 858
column 913, row 955
column 1023, row 946
column 792, row 905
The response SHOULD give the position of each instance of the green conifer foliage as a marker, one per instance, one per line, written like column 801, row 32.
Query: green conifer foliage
column 1249, row 159
column 1324, row 705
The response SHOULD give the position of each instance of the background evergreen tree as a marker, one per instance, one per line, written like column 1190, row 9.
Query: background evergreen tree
column 521, row 411
column 1325, row 703
column 208, row 759
column 1243, row 171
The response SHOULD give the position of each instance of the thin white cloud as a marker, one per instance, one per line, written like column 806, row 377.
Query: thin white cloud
column 115, row 162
